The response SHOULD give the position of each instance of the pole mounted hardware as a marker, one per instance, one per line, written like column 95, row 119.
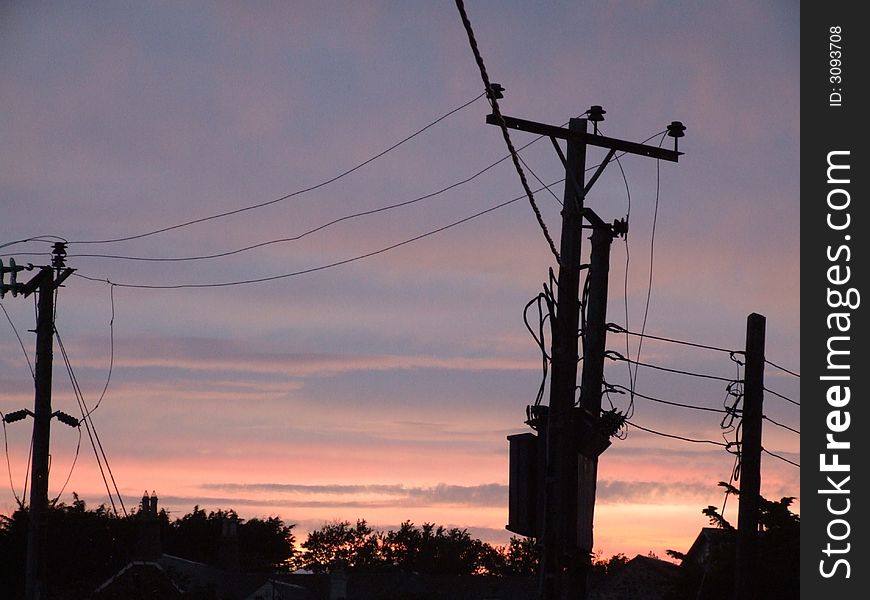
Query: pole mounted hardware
column 66, row 419
column 45, row 282
column 676, row 130
column 563, row 461
column 601, row 141
column 495, row 91
column 13, row 286
column 18, row 415
column 596, row 115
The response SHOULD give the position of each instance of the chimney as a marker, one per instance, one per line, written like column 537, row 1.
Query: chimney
column 228, row 550
column 148, row 547
column 338, row 584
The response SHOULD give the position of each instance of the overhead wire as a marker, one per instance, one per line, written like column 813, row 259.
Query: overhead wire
column 312, row 269
column 671, row 402
column 493, row 101
column 617, row 356
column 20, row 342
column 782, row 425
column 91, row 429
column 319, row 227
column 782, row 458
column 674, row 436
column 111, row 351
column 651, row 262
column 773, row 364
column 328, row 223
column 71, row 469
column 618, row 329
column 286, row 196
column 632, row 375
column 36, row 238
column 84, row 421
column 8, row 462
column 786, row 398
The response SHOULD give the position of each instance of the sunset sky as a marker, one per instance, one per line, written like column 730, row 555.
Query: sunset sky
column 384, row 388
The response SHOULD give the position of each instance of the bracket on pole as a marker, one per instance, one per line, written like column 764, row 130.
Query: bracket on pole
column 588, row 138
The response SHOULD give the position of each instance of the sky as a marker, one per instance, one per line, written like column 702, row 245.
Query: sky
column 384, row 388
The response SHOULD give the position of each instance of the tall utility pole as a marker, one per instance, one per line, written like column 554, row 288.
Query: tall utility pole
column 750, row 461
column 44, row 283
column 571, row 468
column 595, row 337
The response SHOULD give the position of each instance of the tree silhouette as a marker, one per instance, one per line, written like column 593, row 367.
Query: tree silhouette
column 87, row 546
column 341, row 545
column 521, row 556
column 778, row 553
column 427, row 549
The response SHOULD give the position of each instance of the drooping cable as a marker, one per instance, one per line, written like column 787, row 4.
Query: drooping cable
column 493, row 101
column 676, row 437
column 111, row 350
column 316, row 229
column 786, row 398
column 20, row 343
column 782, row 425
column 618, row 329
column 670, row 402
column 783, row 369
column 312, row 269
column 617, row 356
column 8, row 462
column 782, row 458
column 287, row 196
column 91, row 429
column 71, row 469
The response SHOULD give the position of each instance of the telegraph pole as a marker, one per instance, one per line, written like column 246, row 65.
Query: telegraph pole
column 35, row 574
column 44, row 283
column 573, row 439
column 560, row 496
column 595, row 337
column 750, row 461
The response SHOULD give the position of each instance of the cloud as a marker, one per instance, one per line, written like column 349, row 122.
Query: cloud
column 202, row 354
column 487, row 495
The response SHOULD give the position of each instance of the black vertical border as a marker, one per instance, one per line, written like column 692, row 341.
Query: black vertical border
column 826, row 128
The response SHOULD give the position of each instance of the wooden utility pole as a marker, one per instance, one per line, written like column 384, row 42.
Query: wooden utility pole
column 571, row 471
column 594, row 339
column 45, row 283
column 559, row 558
column 35, row 571
column 745, row 578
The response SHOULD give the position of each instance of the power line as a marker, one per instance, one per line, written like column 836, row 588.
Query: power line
column 111, row 351
column 315, row 229
column 672, row 403
column 23, row 349
column 312, row 269
column 491, row 95
column 773, row 364
column 324, row 225
column 782, row 458
column 652, row 241
column 91, row 428
column 631, row 374
column 8, row 462
column 36, row 238
column 287, row 196
column 777, row 394
column 778, row 424
column 676, row 437
column 72, row 467
column 618, row 329
column 617, row 356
